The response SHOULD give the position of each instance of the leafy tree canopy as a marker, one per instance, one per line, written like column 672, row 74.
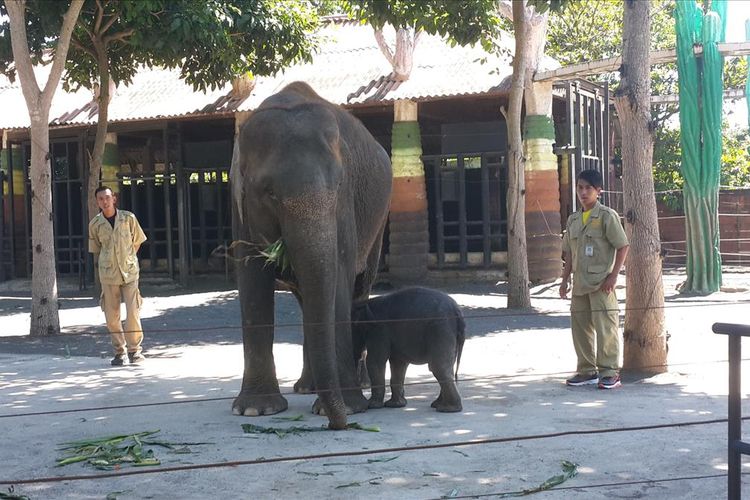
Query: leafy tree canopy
column 210, row 41
column 462, row 21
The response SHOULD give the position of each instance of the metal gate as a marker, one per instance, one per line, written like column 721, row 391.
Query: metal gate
column 69, row 214
column 467, row 213
column 152, row 197
column 6, row 239
column 587, row 133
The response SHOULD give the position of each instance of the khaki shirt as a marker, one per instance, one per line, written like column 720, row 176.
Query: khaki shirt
column 118, row 263
column 592, row 247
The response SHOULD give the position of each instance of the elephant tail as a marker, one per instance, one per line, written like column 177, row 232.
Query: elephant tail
column 460, row 337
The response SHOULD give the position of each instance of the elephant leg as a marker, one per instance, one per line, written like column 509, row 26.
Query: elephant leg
column 363, row 377
column 351, row 391
column 449, row 400
column 376, row 359
column 260, row 393
column 305, row 384
column 398, row 375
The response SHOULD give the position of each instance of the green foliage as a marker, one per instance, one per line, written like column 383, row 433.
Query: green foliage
column 44, row 19
column 210, row 41
column 668, row 180
column 588, row 30
column 542, row 6
column 462, row 21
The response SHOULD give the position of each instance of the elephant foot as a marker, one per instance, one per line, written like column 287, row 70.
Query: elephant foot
column 395, row 403
column 304, row 386
column 445, row 407
column 355, row 401
column 375, row 404
column 253, row 405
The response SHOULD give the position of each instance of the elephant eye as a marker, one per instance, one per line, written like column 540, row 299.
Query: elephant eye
column 270, row 193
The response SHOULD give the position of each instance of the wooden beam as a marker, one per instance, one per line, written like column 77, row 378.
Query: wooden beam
column 614, row 63
column 674, row 98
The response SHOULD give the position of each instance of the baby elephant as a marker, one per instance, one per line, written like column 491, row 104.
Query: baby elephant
column 413, row 325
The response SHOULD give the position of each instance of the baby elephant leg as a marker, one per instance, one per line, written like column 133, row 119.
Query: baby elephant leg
column 398, row 374
column 376, row 370
column 449, row 400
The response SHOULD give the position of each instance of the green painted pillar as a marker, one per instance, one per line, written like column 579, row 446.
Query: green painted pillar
column 543, row 226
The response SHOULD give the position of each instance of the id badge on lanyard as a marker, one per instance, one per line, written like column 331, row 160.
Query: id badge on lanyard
column 588, row 250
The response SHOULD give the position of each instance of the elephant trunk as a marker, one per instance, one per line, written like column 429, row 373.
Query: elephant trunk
column 312, row 248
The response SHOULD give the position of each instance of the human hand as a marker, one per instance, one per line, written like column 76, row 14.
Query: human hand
column 564, row 289
column 608, row 285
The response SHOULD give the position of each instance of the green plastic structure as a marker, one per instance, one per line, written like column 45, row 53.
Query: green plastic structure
column 701, row 98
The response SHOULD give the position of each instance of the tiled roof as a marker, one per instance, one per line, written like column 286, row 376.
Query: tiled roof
column 348, row 69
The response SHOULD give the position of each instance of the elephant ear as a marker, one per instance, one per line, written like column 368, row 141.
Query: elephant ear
column 236, row 177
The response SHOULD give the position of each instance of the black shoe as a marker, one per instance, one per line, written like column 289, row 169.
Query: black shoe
column 118, row 360
column 135, row 357
column 583, row 379
column 612, row 382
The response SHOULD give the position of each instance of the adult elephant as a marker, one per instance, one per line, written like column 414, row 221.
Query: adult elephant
column 306, row 171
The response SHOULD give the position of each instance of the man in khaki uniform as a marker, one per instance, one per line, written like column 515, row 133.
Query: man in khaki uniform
column 595, row 247
column 114, row 239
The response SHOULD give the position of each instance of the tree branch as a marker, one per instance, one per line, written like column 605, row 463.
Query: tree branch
column 505, row 8
column 22, row 58
column 121, row 36
column 61, row 53
column 384, row 48
column 110, row 22
column 83, row 48
column 99, row 17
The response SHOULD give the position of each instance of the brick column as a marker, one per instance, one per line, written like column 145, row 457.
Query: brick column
column 409, row 232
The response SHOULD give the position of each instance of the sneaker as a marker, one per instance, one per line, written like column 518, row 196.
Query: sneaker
column 583, row 379
column 135, row 357
column 117, row 360
column 610, row 382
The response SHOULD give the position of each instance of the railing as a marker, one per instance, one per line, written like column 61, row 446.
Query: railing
column 735, row 446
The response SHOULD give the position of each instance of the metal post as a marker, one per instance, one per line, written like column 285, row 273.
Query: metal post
column 437, row 173
column 735, row 446
column 462, row 241
column 735, row 418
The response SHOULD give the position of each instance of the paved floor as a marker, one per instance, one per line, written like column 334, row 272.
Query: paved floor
column 518, row 424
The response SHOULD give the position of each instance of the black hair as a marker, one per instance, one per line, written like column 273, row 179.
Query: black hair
column 593, row 177
column 100, row 189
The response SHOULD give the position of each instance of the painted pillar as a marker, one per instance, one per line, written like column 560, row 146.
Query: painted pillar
column 543, row 228
column 409, row 232
column 111, row 163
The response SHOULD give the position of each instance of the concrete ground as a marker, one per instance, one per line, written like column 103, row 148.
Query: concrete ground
column 518, row 424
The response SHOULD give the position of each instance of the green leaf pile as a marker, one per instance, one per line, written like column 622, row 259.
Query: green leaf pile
column 111, row 452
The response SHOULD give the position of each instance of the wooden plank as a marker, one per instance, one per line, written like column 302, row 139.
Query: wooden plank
column 734, row 49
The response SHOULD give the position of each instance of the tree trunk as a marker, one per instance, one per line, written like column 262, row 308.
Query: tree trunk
column 97, row 155
column 45, row 319
column 518, row 269
column 644, row 335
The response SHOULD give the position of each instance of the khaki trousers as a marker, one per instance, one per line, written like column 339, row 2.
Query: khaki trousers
column 130, row 339
column 594, row 319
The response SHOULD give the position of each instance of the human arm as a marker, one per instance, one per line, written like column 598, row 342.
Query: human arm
column 608, row 285
column 138, row 235
column 567, row 268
